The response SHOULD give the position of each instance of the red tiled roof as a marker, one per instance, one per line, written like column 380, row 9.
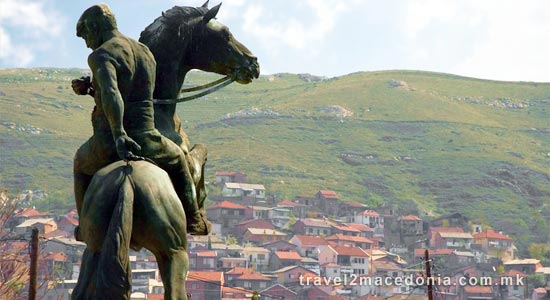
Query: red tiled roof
column 370, row 212
column 317, row 222
column 288, row 203
column 360, row 227
column 478, row 289
column 411, row 218
column 514, row 273
column 205, row 276
column 328, row 194
column 237, row 290
column 433, row 252
column 491, row 234
column 68, row 220
column 288, row 255
column 228, row 205
column 57, row 233
column 253, row 276
column 311, row 240
column 59, row 256
column 330, row 265
column 351, row 251
column 257, row 223
column 356, row 239
column 155, row 296
column 29, row 212
column 239, row 270
column 346, row 228
column 206, row 254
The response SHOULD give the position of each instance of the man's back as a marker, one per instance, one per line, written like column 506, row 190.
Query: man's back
column 135, row 71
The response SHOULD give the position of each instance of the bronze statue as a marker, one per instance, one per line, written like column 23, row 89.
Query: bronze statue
column 133, row 203
column 186, row 38
column 123, row 118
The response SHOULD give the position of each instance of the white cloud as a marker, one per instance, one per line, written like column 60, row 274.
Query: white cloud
column 26, row 27
column 299, row 29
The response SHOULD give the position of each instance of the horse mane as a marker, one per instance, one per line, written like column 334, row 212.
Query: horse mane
column 171, row 26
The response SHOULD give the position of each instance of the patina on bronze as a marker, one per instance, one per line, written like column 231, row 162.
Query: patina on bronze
column 130, row 202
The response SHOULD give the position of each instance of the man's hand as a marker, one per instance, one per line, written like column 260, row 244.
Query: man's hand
column 82, row 86
column 124, row 147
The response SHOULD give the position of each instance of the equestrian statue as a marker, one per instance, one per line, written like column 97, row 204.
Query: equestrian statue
column 137, row 183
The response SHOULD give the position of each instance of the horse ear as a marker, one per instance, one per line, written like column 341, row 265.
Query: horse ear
column 205, row 5
column 211, row 14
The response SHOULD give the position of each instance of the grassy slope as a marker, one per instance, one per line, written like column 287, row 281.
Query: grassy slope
column 437, row 141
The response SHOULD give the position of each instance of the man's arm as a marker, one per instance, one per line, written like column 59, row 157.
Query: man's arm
column 112, row 104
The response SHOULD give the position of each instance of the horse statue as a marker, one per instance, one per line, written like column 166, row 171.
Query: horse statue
column 132, row 204
column 186, row 38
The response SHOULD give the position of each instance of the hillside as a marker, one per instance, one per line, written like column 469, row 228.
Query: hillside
column 444, row 142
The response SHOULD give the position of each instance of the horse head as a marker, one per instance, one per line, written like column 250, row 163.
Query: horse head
column 216, row 50
column 186, row 38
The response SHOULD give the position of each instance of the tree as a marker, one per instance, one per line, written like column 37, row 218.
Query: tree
column 540, row 252
column 13, row 266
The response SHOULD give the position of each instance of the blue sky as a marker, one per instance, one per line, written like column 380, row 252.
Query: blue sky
column 490, row 39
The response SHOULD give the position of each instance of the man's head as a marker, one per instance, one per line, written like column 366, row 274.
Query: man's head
column 94, row 23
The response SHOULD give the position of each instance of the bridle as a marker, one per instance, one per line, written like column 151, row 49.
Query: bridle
column 210, row 88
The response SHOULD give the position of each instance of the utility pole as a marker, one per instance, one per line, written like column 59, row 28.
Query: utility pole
column 429, row 275
column 34, row 263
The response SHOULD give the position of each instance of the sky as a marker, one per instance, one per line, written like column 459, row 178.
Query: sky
column 488, row 39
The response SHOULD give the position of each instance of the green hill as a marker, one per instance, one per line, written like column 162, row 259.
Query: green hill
column 444, row 142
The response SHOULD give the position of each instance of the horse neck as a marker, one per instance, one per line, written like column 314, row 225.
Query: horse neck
column 168, row 84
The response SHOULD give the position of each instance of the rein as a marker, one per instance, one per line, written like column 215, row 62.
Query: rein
column 211, row 87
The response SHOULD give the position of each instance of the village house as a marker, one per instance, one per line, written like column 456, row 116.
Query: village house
column 279, row 246
column 281, row 259
column 329, row 202
column 202, row 285
column 364, row 230
column 313, row 226
column 203, row 260
column 228, row 263
column 311, row 264
column 258, row 257
column 290, row 276
column 44, row 225
column 370, row 218
column 495, row 244
column 248, row 279
column 344, row 229
column 350, row 241
column 72, row 248
column 331, row 269
column 141, row 278
column 471, row 292
column 261, row 224
column 259, row 236
column 528, row 266
column 350, row 208
column 513, row 286
column 309, row 245
column 245, row 193
column 235, row 293
column 410, row 225
column 227, row 214
column 260, row 212
column 298, row 210
column 280, row 216
column 277, row 292
column 223, row 176
column 67, row 223
column 24, row 214
column 453, row 240
column 433, row 231
column 351, row 259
